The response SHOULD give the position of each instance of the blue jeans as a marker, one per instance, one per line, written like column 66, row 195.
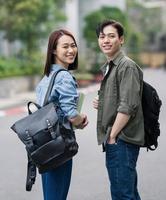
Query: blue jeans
column 56, row 182
column 121, row 159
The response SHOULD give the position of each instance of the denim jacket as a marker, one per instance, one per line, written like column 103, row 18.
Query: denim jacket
column 64, row 93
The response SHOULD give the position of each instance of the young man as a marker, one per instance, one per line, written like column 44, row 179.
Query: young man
column 120, row 126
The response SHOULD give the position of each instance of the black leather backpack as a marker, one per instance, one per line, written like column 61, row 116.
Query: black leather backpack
column 151, row 105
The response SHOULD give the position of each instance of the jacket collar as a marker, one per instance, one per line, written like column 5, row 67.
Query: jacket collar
column 115, row 61
column 118, row 57
column 56, row 67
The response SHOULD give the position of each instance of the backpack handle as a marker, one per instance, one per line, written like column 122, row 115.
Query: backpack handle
column 28, row 105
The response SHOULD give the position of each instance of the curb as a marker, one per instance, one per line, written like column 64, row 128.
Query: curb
column 13, row 111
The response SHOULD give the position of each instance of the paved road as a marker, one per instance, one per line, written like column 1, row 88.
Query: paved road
column 89, row 180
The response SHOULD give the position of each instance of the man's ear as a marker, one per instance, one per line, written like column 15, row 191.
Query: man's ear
column 122, row 40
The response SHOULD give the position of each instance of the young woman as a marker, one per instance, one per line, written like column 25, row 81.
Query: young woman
column 62, row 53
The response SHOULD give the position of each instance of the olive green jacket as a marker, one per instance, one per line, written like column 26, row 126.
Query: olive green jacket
column 121, row 91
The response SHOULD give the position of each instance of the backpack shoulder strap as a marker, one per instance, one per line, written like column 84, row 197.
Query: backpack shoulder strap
column 31, row 174
column 51, row 85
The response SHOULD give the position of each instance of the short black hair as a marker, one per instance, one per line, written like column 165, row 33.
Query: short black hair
column 117, row 25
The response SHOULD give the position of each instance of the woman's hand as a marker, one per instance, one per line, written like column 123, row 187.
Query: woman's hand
column 80, row 121
column 95, row 102
column 84, row 122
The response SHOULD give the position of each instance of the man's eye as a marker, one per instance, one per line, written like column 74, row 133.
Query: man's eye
column 73, row 46
column 111, row 36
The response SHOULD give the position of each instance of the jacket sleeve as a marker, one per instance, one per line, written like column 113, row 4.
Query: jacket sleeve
column 129, row 90
column 66, row 88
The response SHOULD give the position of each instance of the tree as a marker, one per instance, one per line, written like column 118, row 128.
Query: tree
column 29, row 20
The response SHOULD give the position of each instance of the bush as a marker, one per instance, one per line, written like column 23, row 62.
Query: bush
column 16, row 67
column 83, row 76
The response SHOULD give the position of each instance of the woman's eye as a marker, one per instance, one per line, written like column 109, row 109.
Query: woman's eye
column 101, row 37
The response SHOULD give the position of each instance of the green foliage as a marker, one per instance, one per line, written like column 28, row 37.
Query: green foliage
column 29, row 20
column 83, row 76
column 17, row 67
column 134, row 42
column 95, row 68
column 146, row 22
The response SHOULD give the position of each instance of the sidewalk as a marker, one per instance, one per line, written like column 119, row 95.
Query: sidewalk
column 16, row 100
column 17, row 103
